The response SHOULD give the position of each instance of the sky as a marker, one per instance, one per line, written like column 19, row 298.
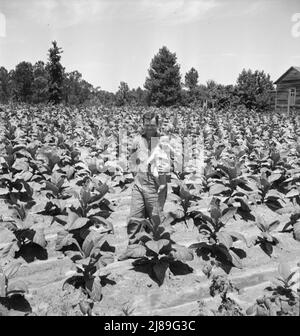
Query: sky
column 110, row 41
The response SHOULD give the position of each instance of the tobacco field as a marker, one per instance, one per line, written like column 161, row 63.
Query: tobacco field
column 229, row 243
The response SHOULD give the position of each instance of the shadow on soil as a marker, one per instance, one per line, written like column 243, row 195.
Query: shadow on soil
column 16, row 303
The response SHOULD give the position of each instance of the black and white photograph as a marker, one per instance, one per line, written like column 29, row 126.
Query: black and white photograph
column 149, row 160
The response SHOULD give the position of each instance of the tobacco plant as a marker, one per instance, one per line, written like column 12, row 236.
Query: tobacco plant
column 218, row 242
column 280, row 298
column 154, row 248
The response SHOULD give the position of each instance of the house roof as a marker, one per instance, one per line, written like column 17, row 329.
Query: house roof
column 291, row 68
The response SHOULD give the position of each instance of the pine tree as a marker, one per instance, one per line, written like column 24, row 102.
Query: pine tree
column 164, row 81
column 56, row 73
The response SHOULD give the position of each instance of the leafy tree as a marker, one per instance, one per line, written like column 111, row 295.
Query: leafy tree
column 164, row 81
column 138, row 97
column 22, row 81
column 56, row 74
column 102, row 97
column 75, row 89
column 4, row 85
column 201, row 94
column 123, row 94
column 71, row 87
column 191, row 79
column 212, row 92
column 40, row 83
column 254, row 89
column 86, row 89
column 225, row 96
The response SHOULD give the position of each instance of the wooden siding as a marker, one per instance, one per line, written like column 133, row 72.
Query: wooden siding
column 282, row 92
column 289, row 80
column 291, row 75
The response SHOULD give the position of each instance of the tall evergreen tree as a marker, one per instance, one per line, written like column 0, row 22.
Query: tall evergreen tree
column 164, row 81
column 56, row 74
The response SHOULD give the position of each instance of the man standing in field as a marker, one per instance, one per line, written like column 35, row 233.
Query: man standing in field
column 150, row 164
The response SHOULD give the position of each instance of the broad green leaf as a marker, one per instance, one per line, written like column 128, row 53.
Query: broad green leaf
column 290, row 277
column 12, row 268
column 267, row 236
column 292, row 193
column 143, row 237
column 94, row 289
column 24, row 175
column 64, row 238
column 155, row 221
column 260, row 223
column 135, row 251
column 156, row 246
column 182, row 253
column 296, row 227
column 274, row 225
column 227, row 215
column 236, row 261
column 107, row 258
column 9, row 250
column 72, row 216
column 274, row 177
column 60, row 182
column 267, row 247
column 200, row 246
column 103, row 189
column 284, row 270
column 20, row 165
column 79, row 223
column 217, row 189
column 215, row 210
column 251, row 310
column 85, row 195
column 39, row 238
column 83, row 262
column 159, row 270
column 274, row 194
column 52, row 187
column 225, row 239
column 88, row 244
column 260, row 311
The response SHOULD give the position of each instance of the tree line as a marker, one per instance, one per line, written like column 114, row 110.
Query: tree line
column 164, row 86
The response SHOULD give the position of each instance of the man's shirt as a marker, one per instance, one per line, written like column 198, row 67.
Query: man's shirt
column 149, row 159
